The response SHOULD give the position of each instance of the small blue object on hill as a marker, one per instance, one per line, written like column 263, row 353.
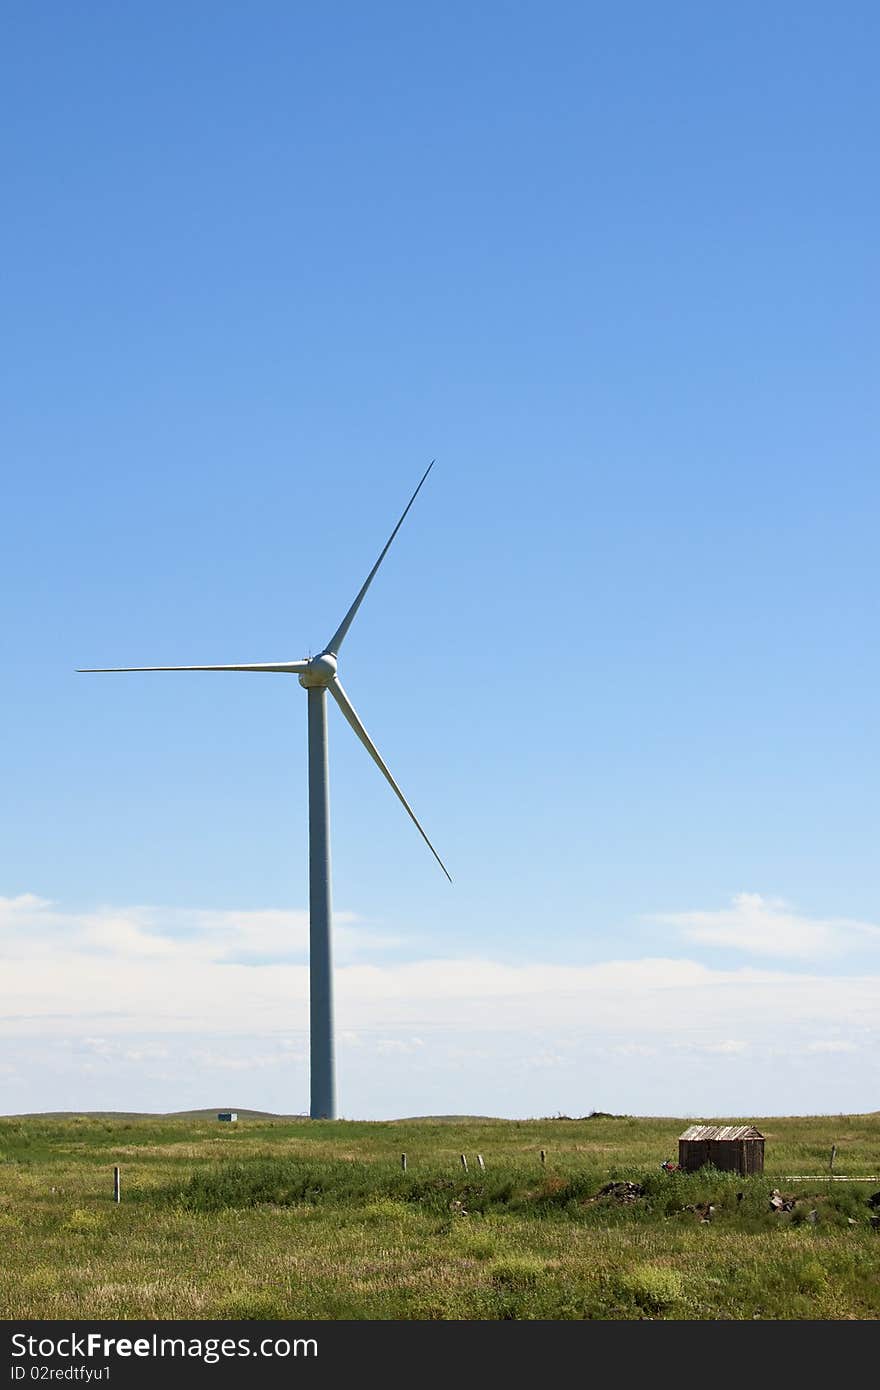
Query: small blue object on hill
column 227, row 1115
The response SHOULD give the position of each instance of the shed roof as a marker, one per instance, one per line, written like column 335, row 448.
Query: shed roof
column 729, row 1132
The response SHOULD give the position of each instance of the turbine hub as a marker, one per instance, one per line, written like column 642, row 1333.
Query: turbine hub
column 320, row 671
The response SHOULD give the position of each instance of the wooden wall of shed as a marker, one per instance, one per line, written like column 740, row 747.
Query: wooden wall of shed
column 727, row 1155
column 692, row 1154
column 742, row 1156
column 754, row 1156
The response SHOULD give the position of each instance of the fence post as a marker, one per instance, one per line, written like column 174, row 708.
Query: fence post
column 543, row 1158
column 464, row 1163
column 481, row 1163
column 117, row 1185
column 833, row 1156
column 403, row 1162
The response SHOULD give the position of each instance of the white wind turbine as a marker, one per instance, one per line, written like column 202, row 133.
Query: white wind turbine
column 317, row 675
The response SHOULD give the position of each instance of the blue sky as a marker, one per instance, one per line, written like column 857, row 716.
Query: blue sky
column 616, row 268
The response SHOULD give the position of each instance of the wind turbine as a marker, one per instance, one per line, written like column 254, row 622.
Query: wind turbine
column 317, row 675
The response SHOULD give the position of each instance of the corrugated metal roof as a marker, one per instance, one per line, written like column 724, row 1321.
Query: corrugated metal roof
column 699, row 1132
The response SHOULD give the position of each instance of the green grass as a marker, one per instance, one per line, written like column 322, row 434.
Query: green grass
column 290, row 1218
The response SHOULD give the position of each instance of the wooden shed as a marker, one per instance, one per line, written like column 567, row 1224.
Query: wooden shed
column 735, row 1148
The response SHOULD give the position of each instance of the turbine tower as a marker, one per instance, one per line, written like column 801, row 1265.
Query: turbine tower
column 317, row 675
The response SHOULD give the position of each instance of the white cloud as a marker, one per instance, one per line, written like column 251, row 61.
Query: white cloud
column 33, row 927
column 770, row 927
column 24, row 902
column 150, row 1052
column 120, row 1001
column 100, row 988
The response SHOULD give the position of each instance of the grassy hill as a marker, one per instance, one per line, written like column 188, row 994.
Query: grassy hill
column 282, row 1217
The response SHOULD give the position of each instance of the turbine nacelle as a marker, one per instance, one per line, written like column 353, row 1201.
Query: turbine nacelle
column 320, row 671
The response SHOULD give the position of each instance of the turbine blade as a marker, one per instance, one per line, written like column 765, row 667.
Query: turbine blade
column 339, row 635
column 350, row 713
column 290, row 666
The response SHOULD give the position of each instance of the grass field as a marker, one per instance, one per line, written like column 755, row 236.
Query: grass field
column 290, row 1218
